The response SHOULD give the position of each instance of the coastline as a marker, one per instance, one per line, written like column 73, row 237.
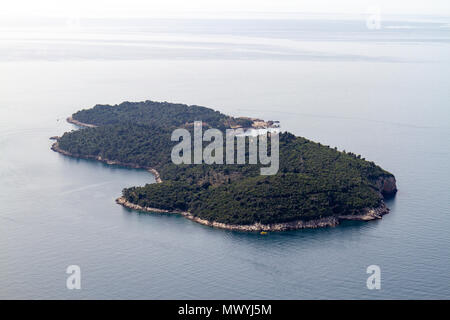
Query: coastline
column 80, row 124
column 369, row 214
column 55, row 147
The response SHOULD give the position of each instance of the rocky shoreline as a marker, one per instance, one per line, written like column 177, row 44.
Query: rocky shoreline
column 369, row 214
column 80, row 124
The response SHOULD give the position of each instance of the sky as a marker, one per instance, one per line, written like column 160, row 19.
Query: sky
column 212, row 8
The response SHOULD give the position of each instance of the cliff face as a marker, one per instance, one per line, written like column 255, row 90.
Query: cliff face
column 387, row 186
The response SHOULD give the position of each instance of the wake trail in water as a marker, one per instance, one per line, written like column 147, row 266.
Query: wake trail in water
column 90, row 186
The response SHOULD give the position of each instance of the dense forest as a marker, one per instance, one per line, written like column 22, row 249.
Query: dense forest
column 157, row 113
column 313, row 180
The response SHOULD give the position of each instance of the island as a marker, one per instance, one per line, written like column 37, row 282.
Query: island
column 315, row 186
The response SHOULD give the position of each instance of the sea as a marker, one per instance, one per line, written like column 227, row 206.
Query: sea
column 380, row 92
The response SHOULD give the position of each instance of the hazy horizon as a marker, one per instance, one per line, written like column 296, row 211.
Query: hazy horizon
column 221, row 8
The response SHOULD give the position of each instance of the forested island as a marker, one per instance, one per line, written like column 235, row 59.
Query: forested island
column 315, row 186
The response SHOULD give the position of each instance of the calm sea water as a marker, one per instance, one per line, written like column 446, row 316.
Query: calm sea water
column 384, row 95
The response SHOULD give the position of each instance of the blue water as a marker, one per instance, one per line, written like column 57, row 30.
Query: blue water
column 391, row 105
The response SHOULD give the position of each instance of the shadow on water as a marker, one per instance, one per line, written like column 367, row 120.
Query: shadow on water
column 345, row 228
column 95, row 165
column 390, row 202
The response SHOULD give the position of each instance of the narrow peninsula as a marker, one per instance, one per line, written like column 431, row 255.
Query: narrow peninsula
column 316, row 186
